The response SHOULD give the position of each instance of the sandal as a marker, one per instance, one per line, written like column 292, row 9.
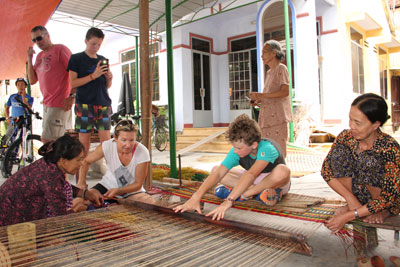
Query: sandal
column 374, row 261
column 395, row 260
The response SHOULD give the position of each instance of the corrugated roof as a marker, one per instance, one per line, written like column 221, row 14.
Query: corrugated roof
column 125, row 13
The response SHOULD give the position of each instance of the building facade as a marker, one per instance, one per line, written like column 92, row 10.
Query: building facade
column 339, row 49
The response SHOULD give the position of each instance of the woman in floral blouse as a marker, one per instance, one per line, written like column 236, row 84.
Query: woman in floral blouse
column 363, row 165
column 40, row 190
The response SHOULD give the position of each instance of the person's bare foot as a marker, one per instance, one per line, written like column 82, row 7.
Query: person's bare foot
column 341, row 210
column 377, row 217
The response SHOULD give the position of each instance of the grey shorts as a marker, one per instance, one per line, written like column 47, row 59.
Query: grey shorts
column 55, row 122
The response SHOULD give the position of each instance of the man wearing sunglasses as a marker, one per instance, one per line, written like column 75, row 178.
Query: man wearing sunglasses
column 50, row 69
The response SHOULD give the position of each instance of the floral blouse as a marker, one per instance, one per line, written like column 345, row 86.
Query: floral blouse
column 35, row 192
column 379, row 166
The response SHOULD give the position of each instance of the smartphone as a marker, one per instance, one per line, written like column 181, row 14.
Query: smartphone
column 249, row 99
column 104, row 62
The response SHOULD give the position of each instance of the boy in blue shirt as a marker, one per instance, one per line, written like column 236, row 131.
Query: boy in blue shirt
column 16, row 108
column 264, row 174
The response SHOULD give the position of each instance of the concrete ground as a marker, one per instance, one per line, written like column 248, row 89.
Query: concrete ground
column 328, row 250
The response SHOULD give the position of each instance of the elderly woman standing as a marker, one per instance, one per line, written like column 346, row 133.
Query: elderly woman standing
column 363, row 165
column 275, row 112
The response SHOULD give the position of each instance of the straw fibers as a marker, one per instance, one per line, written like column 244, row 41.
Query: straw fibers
column 131, row 236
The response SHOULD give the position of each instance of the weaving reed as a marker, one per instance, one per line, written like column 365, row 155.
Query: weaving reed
column 145, row 235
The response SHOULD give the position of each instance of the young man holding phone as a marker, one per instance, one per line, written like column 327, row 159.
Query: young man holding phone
column 89, row 73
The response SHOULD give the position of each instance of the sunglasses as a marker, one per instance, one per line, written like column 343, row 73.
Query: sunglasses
column 125, row 124
column 38, row 39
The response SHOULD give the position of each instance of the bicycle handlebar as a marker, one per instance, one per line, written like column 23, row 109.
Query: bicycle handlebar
column 28, row 109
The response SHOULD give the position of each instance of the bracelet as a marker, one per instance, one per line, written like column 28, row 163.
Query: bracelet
column 231, row 200
column 91, row 76
column 120, row 191
column 84, row 193
column 356, row 214
column 72, row 95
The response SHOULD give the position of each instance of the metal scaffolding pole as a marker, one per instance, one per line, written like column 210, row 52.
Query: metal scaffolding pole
column 288, row 62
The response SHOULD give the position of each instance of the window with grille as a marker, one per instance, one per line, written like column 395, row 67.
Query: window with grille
column 128, row 58
column 239, row 79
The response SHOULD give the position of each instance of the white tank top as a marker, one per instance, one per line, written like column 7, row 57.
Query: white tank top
column 118, row 175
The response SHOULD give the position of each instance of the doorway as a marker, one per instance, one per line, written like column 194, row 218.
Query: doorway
column 202, row 113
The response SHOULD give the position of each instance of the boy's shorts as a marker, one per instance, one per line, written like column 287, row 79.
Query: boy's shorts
column 55, row 122
column 89, row 116
column 262, row 176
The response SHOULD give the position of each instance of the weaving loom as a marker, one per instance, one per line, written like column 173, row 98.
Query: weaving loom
column 142, row 234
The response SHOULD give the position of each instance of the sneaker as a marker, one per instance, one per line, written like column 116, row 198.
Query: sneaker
column 222, row 191
column 270, row 196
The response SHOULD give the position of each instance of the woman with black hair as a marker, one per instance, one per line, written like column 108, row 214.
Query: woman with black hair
column 40, row 190
column 363, row 165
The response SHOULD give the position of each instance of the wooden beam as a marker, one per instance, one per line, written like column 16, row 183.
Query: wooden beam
column 199, row 143
column 145, row 90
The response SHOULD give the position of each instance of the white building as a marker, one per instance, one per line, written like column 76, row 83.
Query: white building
column 339, row 49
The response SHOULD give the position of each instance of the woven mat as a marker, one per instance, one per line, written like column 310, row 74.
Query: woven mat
column 292, row 205
column 303, row 161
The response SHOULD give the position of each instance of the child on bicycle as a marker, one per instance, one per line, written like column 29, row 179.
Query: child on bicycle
column 16, row 108
column 264, row 175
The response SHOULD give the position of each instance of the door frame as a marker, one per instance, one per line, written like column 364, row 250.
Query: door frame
column 202, row 118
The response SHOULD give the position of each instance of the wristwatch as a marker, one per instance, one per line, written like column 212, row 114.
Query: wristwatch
column 72, row 95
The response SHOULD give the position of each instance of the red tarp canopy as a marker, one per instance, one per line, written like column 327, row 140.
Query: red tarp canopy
column 17, row 18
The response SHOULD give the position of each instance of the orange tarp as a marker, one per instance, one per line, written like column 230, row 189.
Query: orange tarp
column 17, row 18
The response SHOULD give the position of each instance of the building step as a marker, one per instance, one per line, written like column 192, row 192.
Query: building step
column 198, row 137
column 203, row 130
column 191, row 136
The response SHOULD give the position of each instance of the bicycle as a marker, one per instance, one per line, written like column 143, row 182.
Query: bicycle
column 120, row 115
column 23, row 149
column 160, row 133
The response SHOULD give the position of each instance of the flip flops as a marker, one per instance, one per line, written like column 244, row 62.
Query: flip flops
column 374, row 261
column 395, row 260
column 270, row 196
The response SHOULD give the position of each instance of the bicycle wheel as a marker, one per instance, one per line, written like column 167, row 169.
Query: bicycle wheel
column 13, row 160
column 139, row 136
column 160, row 139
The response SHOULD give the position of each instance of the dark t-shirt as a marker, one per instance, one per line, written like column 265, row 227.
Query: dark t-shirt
column 268, row 150
column 94, row 92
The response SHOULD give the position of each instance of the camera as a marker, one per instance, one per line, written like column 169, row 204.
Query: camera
column 104, row 62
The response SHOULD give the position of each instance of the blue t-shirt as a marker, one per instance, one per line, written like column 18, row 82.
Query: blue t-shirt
column 16, row 108
column 94, row 92
column 267, row 150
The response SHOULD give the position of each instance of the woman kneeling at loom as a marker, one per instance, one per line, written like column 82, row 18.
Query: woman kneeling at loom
column 127, row 162
column 363, row 165
column 40, row 190
column 264, row 174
